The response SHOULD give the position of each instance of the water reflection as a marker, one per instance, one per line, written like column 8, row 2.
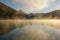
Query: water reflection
column 33, row 32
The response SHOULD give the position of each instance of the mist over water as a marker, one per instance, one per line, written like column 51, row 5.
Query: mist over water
column 33, row 32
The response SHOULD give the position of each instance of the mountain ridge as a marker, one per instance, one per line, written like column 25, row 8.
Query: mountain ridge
column 7, row 12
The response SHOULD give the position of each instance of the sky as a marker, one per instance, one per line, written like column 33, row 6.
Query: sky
column 35, row 6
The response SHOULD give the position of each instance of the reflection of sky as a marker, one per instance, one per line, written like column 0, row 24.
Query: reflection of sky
column 34, row 32
column 33, row 5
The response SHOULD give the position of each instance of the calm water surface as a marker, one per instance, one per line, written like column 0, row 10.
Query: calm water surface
column 33, row 32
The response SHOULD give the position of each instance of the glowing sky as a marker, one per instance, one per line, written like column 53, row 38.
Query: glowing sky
column 33, row 5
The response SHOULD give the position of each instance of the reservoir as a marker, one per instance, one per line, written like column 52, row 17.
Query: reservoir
column 33, row 32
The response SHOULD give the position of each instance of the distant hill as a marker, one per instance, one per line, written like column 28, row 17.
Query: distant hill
column 51, row 15
column 7, row 12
